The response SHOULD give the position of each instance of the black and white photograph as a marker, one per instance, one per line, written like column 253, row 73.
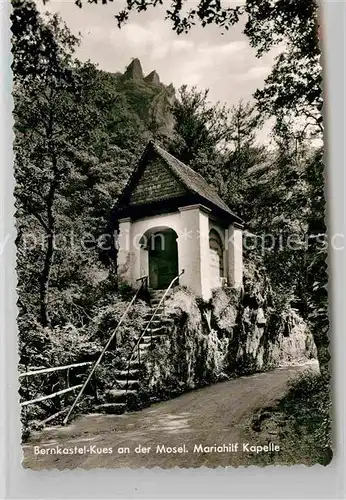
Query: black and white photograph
column 171, row 233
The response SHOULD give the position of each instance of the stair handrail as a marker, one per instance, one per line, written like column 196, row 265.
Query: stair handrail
column 136, row 346
column 144, row 284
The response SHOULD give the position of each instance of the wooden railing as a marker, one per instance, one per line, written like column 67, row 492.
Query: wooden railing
column 143, row 286
column 137, row 344
column 44, row 371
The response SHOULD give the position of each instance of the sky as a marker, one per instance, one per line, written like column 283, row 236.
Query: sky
column 224, row 64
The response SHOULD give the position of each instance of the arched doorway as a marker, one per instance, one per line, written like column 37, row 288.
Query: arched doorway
column 162, row 257
column 216, row 258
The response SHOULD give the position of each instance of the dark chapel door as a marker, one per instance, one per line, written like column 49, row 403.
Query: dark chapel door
column 163, row 259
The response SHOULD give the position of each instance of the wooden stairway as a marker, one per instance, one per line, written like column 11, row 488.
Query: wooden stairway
column 127, row 378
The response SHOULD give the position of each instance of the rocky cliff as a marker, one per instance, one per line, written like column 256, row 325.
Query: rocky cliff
column 261, row 335
column 150, row 99
column 234, row 334
column 134, row 71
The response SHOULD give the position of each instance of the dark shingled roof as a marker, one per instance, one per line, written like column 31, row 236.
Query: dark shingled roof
column 192, row 180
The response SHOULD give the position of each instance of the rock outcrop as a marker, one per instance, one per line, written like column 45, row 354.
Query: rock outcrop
column 153, row 78
column 260, row 336
column 149, row 98
column 160, row 112
column 134, row 70
column 231, row 336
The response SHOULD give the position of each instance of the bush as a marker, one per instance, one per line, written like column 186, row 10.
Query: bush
column 64, row 345
column 107, row 319
column 300, row 422
column 309, row 405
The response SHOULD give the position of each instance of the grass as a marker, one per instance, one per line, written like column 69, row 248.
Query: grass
column 300, row 423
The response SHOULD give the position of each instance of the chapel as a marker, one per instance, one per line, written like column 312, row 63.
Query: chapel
column 172, row 222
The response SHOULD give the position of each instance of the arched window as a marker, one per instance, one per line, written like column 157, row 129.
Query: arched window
column 216, row 254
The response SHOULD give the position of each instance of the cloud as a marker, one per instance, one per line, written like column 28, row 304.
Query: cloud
column 203, row 62
column 181, row 45
column 148, row 36
column 254, row 73
column 155, row 40
column 226, row 64
column 191, row 59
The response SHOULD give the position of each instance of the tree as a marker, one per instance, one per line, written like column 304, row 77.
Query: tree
column 50, row 121
column 40, row 50
column 199, row 123
column 76, row 142
column 293, row 88
column 202, row 130
column 242, row 154
column 317, row 269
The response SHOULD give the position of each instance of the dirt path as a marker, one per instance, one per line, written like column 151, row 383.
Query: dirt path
column 214, row 415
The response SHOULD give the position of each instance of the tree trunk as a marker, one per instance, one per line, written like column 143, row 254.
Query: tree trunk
column 48, row 260
column 44, row 281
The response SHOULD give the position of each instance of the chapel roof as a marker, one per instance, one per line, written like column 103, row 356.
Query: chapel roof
column 192, row 182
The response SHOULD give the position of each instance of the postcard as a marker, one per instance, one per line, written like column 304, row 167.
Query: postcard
column 171, row 235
